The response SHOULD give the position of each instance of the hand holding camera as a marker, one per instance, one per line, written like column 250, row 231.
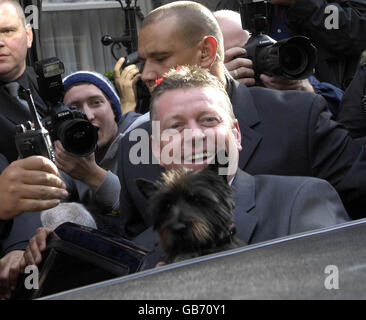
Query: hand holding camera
column 241, row 69
column 125, row 81
column 82, row 168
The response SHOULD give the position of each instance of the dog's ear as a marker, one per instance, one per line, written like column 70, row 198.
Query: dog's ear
column 148, row 188
column 215, row 164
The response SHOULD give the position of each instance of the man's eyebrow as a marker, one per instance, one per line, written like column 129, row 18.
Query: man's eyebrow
column 157, row 53
column 97, row 96
column 174, row 117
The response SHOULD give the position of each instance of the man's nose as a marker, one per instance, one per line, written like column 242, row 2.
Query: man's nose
column 194, row 134
column 88, row 112
column 149, row 75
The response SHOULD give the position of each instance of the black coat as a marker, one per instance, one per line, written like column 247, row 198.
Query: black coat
column 283, row 133
column 12, row 114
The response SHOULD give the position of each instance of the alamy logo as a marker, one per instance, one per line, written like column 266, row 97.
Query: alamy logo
column 331, row 281
column 31, row 281
column 332, row 20
column 32, row 16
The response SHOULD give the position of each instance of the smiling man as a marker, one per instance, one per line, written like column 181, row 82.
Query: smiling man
column 266, row 207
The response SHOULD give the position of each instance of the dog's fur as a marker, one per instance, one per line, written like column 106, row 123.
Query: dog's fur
column 192, row 211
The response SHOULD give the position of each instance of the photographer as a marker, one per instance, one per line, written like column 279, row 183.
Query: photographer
column 91, row 180
column 241, row 68
column 15, row 38
column 339, row 47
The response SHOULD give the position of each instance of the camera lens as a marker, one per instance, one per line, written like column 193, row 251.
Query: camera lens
column 78, row 136
column 293, row 60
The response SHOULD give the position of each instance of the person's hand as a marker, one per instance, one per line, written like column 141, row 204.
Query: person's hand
column 126, row 84
column 283, row 2
column 81, row 168
column 30, row 184
column 286, row 84
column 9, row 272
column 239, row 68
column 36, row 245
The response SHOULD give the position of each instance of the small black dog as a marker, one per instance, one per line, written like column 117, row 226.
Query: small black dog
column 192, row 211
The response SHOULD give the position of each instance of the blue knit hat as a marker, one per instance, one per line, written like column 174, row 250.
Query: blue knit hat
column 101, row 82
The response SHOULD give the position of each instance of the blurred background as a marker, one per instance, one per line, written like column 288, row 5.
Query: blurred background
column 72, row 30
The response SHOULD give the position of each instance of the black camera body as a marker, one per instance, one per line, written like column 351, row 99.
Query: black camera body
column 32, row 138
column 291, row 58
column 67, row 124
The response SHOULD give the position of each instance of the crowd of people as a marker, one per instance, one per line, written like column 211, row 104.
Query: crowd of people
column 296, row 148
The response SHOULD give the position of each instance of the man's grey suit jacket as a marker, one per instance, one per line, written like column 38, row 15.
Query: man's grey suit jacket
column 269, row 207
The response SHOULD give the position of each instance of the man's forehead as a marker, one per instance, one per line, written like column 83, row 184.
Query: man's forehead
column 154, row 37
column 173, row 101
column 83, row 90
column 9, row 16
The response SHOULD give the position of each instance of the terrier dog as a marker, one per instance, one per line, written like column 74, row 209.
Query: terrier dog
column 192, row 211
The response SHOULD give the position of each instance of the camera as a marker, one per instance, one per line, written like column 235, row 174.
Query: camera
column 32, row 138
column 291, row 58
column 142, row 92
column 67, row 124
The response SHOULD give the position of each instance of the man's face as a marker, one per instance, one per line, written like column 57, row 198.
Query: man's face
column 91, row 100
column 15, row 39
column 193, row 126
column 234, row 35
column 161, row 48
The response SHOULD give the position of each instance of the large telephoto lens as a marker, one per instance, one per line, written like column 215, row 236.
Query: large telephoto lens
column 292, row 58
column 297, row 57
column 78, row 137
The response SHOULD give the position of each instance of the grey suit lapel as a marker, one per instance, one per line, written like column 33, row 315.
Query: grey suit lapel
column 244, row 214
column 247, row 115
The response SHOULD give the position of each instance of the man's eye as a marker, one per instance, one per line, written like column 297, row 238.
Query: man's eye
column 97, row 102
column 7, row 31
column 175, row 126
column 210, row 120
column 161, row 59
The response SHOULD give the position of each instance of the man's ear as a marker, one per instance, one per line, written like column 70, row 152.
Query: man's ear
column 208, row 51
column 29, row 32
column 237, row 134
column 147, row 187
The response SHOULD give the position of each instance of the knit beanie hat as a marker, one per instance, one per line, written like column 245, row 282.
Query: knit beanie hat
column 101, row 82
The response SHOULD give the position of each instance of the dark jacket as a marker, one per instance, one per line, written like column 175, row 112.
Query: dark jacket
column 283, row 133
column 352, row 111
column 268, row 207
column 339, row 50
column 11, row 115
